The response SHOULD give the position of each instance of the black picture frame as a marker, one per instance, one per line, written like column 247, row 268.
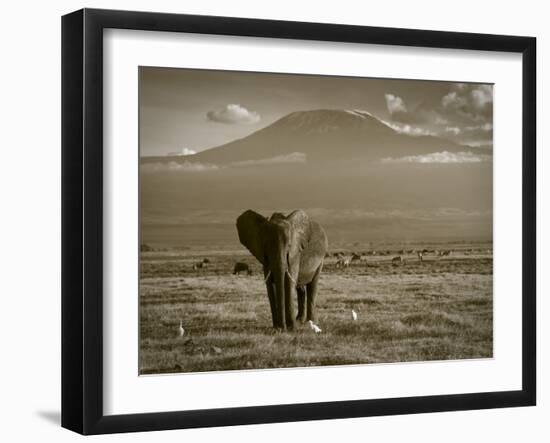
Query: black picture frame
column 82, row 219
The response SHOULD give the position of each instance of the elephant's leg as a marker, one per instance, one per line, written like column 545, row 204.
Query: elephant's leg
column 290, row 294
column 272, row 299
column 279, row 284
column 311, row 294
column 301, row 292
column 272, row 302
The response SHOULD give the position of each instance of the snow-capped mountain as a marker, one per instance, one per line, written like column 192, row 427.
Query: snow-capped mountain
column 323, row 135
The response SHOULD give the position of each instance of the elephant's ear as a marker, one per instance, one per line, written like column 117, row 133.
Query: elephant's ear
column 250, row 225
column 302, row 228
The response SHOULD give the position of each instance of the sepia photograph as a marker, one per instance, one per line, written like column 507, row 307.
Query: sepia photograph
column 292, row 220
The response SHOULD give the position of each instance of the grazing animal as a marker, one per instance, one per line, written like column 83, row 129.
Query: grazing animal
column 397, row 260
column 291, row 249
column 343, row 262
column 314, row 327
column 241, row 267
column 198, row 265
column 353, row 315
column 355, row 257
column 206, row 260
column 181, row 330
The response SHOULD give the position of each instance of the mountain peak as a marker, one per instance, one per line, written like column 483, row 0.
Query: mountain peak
column 329, row 113
column 329, row 120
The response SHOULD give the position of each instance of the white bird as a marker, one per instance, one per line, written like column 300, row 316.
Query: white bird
column 315, row 328
column 182, row 331
column 353, row 315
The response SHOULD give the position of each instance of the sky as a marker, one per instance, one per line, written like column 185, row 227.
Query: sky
column 184, row 111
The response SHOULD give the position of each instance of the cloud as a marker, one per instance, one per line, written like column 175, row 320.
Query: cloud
column 405, row 128
column 183, row 152
column 190, row 166
column 473, row 135
column 233, row 114
column 295, row 157
column 186, row 166
column 453, row 100
column 486, row 127
column 470, row 102
column 395, row 104
column 463, row 113
column 481, row 144
column 482, row 95
column 400, row 112
column 469, row 135
column 453, row 130
column 440, row 157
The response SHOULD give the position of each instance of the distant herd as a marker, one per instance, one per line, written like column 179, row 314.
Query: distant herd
column 345, row 260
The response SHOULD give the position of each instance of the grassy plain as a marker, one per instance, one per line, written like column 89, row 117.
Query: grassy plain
column 440, row 308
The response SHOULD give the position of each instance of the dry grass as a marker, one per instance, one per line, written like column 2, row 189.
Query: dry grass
column 438, row 309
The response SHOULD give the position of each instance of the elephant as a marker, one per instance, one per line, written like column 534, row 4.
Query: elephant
column 241, row 267
column 291, row 249
column 398, row 260
column 199, row 265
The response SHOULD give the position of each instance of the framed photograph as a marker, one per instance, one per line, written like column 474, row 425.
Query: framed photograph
column 269, row 221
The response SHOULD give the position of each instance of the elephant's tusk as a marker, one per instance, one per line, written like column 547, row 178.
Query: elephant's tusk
column 291, row 279
column 267, row 276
